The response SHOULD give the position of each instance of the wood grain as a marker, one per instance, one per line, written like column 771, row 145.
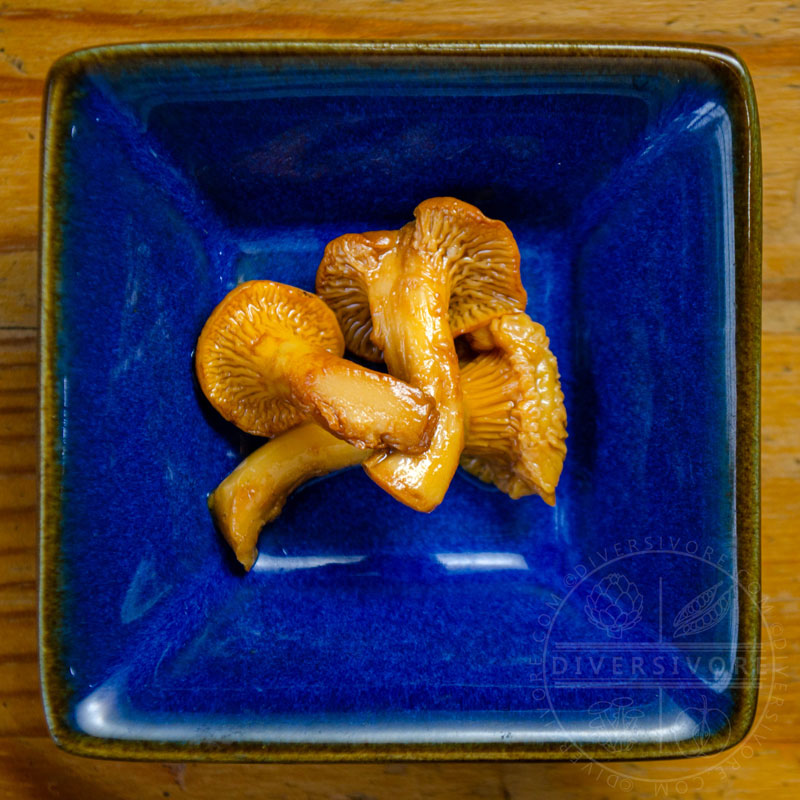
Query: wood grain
column 33, row 35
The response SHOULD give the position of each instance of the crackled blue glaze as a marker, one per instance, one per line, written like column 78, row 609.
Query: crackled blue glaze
column 489, row 619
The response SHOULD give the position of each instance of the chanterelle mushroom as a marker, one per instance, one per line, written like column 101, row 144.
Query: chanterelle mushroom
column 269, row 358
column 514, row 407
column 256, row 491
column 515, row 429
column 405, row 294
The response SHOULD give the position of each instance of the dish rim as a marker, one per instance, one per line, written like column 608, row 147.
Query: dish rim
column 747, row 232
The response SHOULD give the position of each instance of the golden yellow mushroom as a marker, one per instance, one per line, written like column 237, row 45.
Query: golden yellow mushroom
column 515, row 430
column 269, row 358
column 514, row 409
column 255, row 492
column 403, row 295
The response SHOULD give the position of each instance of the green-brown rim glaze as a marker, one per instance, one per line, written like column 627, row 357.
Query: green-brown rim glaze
column 747, row 182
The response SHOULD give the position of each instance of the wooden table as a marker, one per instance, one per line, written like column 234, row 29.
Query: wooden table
column 34, row 34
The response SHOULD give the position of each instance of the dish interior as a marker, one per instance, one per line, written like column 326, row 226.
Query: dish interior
column 489, row 619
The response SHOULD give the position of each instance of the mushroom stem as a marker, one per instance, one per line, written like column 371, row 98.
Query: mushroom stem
column 369, row 409
column 256, row 491
column 411, row 326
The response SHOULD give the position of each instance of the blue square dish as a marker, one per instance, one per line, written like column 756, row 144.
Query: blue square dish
column 622, row 623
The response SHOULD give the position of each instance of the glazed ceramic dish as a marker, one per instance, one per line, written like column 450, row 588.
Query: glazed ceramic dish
column 621, row 623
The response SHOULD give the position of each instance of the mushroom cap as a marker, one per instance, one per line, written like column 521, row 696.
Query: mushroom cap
column 342, row 280
column 479, row 254
column 526, row 455
column 232, row 369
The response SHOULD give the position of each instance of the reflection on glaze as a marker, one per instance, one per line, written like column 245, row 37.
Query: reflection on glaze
column 477, row 562
column 266, row 563
column 107, row 713
column 146, row 589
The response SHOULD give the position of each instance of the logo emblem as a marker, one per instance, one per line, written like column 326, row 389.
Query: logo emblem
column 702, row 612
column 614, row 605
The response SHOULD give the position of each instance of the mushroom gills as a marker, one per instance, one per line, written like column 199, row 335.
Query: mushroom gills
column 514, row 407
column 269, row 358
